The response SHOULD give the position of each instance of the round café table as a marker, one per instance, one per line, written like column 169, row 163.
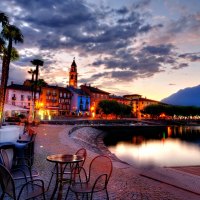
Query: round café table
column 60, row 160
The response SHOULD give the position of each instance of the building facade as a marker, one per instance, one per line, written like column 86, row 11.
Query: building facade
column 64, row 101
column 20, row 95
column 80, row 102
column 96, row 95
column 55, row 101
column 138, row 103
column 120, row 99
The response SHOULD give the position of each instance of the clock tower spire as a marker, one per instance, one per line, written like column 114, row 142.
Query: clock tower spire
column 73, row 75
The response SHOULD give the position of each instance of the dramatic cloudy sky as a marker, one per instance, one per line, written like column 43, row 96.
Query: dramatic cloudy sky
column 147, row 47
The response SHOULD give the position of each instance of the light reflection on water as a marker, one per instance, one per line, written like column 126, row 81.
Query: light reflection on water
column 165, row 151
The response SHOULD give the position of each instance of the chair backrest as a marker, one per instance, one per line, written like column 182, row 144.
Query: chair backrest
column 7, row 183
column 83, row 153
column 100, row 165
column 5, row 159
column 29, row 152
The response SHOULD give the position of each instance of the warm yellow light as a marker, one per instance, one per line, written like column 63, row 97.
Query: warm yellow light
column 49, row 117
column 162, row 115
column 92, row 108
column 41, row 113
column 93, row 114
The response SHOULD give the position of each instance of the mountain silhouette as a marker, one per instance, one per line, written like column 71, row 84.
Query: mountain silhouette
column 185, row 97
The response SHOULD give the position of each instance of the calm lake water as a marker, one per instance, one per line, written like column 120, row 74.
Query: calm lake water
column 169, row 146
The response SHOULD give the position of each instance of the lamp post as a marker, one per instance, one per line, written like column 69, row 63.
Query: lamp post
column 37, row 63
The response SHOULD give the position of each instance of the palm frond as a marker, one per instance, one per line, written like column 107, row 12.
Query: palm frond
column 4, row 20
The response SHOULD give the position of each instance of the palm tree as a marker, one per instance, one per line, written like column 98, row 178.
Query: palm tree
column 4, row 19
column 32, row 72
column 9, row 34
column 37, row 63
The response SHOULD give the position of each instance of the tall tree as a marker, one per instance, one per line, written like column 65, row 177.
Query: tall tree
column 37, row 63
column 32, row 72
column 41, row 83
column 9, row 34
column 4, row 19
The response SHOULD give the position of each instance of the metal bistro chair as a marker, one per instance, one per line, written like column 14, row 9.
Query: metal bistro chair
column 29, row 190
column 100, row 170
column 19, row 171
column 27, row 155
column 68, row 169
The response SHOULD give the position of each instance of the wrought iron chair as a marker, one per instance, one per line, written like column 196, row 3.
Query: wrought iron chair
column 76, row 171
column 68, row 169
column 18, row 171
column 100, row 170
column 29, row 190
column 27, row 156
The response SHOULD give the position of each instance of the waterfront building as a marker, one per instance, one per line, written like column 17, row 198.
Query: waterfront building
column 64, row 101
column 19, row 95
column 138, row 103
column 80, row 102
column 55, row 101
column 96, row 95
column 120, row 99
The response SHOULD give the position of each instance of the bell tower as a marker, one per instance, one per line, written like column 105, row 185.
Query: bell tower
column 73, row 75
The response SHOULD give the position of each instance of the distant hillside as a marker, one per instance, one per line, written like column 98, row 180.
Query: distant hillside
column 185, row 97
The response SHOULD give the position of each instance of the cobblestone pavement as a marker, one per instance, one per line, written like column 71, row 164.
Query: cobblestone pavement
column 125, row 183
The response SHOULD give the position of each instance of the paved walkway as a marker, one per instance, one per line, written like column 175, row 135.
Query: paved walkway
column 126, row 182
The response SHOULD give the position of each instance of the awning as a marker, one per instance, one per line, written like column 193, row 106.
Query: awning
column 8, row 107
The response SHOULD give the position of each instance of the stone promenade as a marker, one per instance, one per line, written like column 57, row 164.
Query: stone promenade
column 126, row 183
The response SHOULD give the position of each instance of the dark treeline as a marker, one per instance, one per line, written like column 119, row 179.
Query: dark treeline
column 113, row 107
column 171, row 110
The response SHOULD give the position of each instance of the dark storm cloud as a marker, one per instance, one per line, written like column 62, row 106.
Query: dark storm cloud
column 118, row 75
column 122, row 11
column 124, row 75
column 141, row 4
column 193, row 57
column 149, row 59
column 74, row 25
column 82, row 26
column 179, row 66
column 163, row 49
column 185, row 23
column 25, row 60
